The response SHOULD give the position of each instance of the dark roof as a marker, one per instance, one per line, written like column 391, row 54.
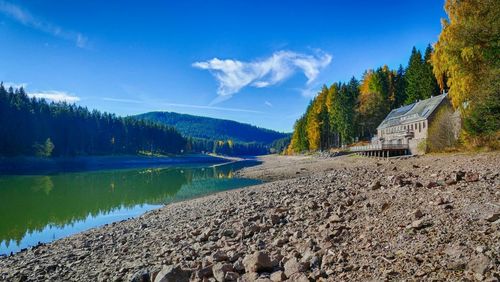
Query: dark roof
column 417, row 111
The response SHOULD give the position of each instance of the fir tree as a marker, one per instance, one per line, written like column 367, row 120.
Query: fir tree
column 413, row 77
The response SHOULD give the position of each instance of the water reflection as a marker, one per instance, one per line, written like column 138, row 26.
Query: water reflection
column 44, row 208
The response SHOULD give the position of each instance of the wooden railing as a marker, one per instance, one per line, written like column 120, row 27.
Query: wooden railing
column 379, row 147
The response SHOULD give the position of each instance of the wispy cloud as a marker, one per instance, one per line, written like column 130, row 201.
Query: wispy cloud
column 212, row 108
column 14, row 85
column 24, row 17
column 267, row 103
column 233, row 75
column 123, row 100
column 177, row 105
column 310, row 91
column 56, row 96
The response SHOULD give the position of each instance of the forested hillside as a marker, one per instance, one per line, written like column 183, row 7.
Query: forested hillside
column 220, row 136
column 346, row 112
column 33, row 127
column 212, row 128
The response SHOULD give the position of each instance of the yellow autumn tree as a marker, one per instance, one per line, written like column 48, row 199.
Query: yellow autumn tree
column 467, row 58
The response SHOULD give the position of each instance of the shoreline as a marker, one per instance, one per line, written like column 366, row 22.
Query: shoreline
column 40, row 166
column 341, row 218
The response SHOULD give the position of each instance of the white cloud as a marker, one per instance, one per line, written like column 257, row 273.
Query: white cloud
column 233, row 75
column 56, row 96
column 267, row 103
column 123, row 100
column 24, row 17
column 177, row 105
column 14, row 85
column 212, row 108
column 309, row 92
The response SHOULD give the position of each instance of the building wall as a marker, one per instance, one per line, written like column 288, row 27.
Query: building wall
column 414, row 133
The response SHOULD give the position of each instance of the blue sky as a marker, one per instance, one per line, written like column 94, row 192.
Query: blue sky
column 258, row 62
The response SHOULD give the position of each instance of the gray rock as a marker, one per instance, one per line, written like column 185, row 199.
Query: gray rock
column 293, row 266
column 172, row 273
column 419, row 224
column 278, row 276
column 220, row 270
column 375, row 185
column 141, row 276
column 479, row 264
column 493, row 217
column 298, row 277
column 231, row 276
column 219, row 256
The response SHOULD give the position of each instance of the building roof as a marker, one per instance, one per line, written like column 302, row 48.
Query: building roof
column 413, row 112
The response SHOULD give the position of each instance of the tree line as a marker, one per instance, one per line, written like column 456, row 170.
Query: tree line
column 347, row 112
column 226, row 147
column 30, row 127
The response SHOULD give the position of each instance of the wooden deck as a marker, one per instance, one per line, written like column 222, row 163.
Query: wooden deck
column 379, row 147
column 381, row 150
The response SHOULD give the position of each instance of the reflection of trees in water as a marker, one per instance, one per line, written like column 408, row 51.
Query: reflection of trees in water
column 29, row 203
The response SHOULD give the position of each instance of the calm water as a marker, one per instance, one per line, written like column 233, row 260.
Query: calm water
column 45, row 208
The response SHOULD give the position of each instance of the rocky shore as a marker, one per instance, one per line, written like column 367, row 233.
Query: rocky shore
column 346, row 218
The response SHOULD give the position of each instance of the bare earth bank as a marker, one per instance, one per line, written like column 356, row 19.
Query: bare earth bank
column 346, row 218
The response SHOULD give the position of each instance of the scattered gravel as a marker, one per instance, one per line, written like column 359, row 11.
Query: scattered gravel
column 320, row 219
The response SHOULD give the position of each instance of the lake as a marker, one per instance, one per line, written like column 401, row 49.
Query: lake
column 44, row 208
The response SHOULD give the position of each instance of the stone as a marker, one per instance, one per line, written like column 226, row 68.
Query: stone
column 417, row 214
column 257, row 262
column 220, row 269
column 298, row 277
column 442, row 201
column 472, row 176
column 172, row 273
column 278, row 276
column 141, row 276
column 219, row 256
column 479, row 264
column 204, row 272
column 375, row 185
column 493, row 217
column 450, row 181
column 432, row 184
column 419, row 224
column 231, row 276
column 293, row 266
column 248, row 277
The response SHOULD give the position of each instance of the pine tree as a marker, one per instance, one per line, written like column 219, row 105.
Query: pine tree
column 400, row 88
column 429, row 84
column 413, row 77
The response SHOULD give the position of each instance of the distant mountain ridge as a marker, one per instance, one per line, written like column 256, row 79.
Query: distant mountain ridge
column 213, row 128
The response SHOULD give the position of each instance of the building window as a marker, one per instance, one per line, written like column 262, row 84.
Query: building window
column 423, row 124
column 419, row 128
